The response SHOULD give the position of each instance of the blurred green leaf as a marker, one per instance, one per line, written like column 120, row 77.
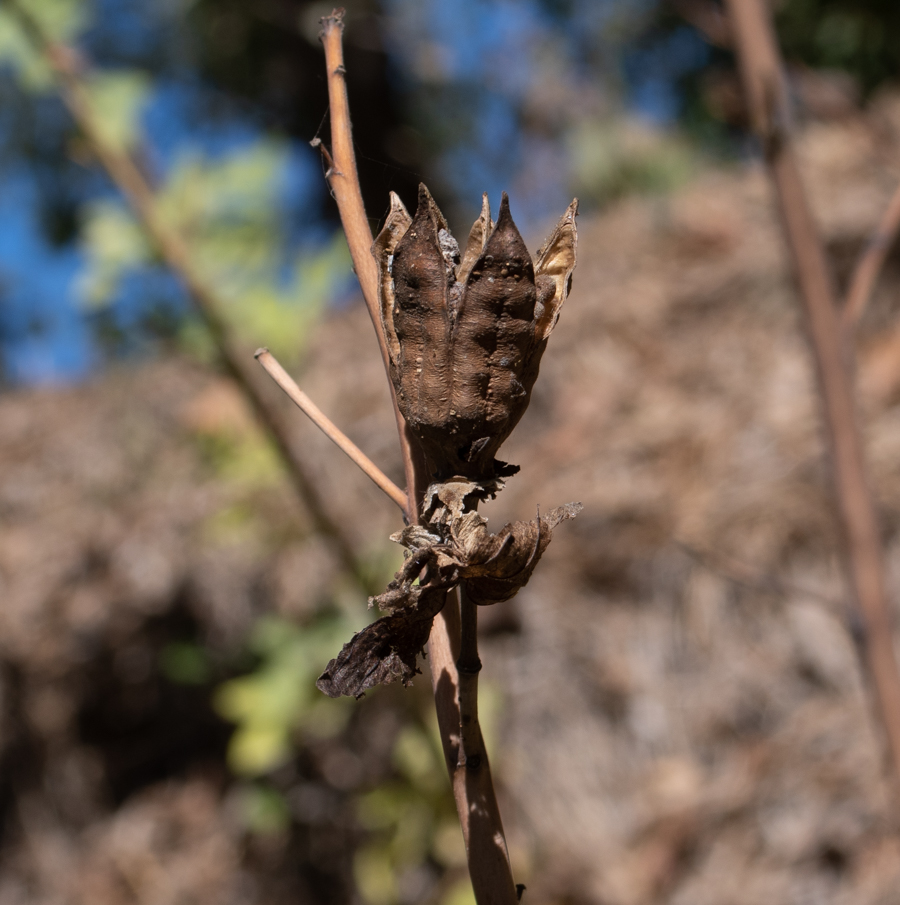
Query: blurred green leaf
column 227, row 211
column 185, row 663
column 374, row 875
column 611, row 159
column 113, row 243
column 279, row 698
column 263, row 809
column 416, row 759
column 60, row 20
column 117, row 98
column 459, row 894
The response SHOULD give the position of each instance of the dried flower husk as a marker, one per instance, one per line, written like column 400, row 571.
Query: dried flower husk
column 455, row 547
column 466, row 332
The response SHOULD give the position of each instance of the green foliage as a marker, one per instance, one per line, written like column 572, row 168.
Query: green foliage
column 858, row 36
column 227, row 211
column 411, row 820
column 60, row 20
column 611, row 159
column 262, row 809
column 117, row 99
column 279, row 700
column 185, row 663
column 114, row 244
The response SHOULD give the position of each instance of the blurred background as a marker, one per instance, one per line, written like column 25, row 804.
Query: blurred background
column 673, row 704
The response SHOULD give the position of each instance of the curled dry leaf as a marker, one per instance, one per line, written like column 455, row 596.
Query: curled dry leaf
column 502, row 563
column 466, row 332
column 383, row 652
column 456, row 547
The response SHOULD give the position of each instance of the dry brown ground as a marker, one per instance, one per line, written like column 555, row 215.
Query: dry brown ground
column 684, row 719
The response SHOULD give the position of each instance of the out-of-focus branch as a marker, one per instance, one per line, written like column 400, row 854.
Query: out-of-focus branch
column 871, row 260
column 329, row 428
column 473, row 789
column 761, row 71
column 123, row 171
column 708, row 18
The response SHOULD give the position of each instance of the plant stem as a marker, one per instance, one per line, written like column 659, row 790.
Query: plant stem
column 343, row 180
column 329, row 428
column 473, row 790
column 871, row 260
column 472, row 766
column 863, row 557
column 125, row 174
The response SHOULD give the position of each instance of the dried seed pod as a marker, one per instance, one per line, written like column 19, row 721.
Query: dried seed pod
column 466, row 336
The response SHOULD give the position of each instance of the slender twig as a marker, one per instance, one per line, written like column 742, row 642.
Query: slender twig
column 863, row 556
column 69, row 68
column 473, row 790
column 871, row 260
column 343, row 179
column 329, row 428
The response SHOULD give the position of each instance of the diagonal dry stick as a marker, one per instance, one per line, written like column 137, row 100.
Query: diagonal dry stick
column 473, row 789
column 871, row 260
column 761, row 70
column 329, row 428
column 123, row 171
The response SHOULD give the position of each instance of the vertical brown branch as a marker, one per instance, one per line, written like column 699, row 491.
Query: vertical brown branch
column 343, row 179
column 473, row 790
column 129, row 180
column 863, row 558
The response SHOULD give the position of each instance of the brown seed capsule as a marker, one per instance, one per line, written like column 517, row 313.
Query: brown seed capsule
column 466, row 332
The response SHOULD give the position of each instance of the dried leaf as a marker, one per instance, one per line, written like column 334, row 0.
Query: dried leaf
column 553, row 266
column 381, row 653
column 501, row 564
column 458, row 548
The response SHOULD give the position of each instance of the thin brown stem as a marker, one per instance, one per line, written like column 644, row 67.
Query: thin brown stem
column 329, row 428
column 343, row 179
column 482, row 827
column 870, row 262
column 473, row 790
column 863, row 556
column 129, row 180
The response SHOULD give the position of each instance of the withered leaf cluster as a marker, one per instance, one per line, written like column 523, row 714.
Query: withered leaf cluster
column 466, row 331
column 465, row 335
column 455, row 547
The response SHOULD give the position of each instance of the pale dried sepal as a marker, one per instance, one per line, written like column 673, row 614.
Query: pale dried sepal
column 478, row 237
column 395, row 227
column 556, row 260
column 500, row 565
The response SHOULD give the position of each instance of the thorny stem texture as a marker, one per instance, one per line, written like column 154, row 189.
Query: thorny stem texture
column 863, row 558
column 476, row 801
column 123, row 171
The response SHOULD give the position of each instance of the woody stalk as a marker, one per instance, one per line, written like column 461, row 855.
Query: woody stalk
column 462, row 332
